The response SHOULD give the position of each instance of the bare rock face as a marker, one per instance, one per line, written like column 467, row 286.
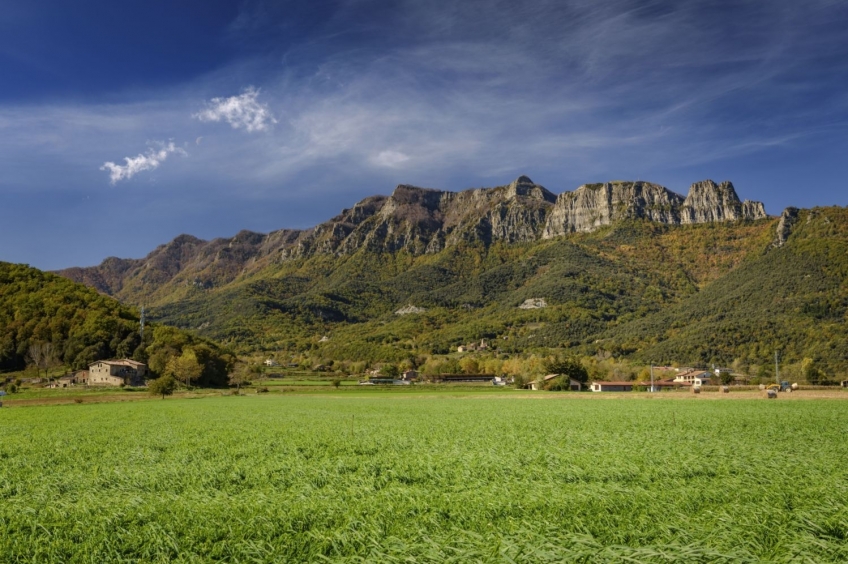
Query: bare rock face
column 784, row 227
column 595, row 205
column 708, row 202
column 421, row 220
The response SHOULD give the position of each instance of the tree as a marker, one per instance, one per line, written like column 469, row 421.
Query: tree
column 469, row 365
column 725, row 377
column 389, row 371
column 42, row 356
column 812, row 373
column 164, row 385
column 185, row 367
column 243, row 374
column 568, row 367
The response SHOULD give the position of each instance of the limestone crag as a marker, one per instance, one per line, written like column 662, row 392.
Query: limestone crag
column 784, row 227
column 709, row 202
column 594, row 205
column 422, row 220
column 417, row 221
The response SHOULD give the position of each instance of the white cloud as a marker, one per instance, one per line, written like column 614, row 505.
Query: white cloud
column 242, row 111
column 391, row 159
column 144, row 161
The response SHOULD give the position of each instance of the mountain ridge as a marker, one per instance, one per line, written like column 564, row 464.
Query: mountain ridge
column 417, row 221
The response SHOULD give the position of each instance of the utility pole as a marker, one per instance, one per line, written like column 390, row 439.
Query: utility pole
column 652, row 377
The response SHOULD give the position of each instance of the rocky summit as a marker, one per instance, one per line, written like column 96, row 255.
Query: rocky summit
column 421, row 221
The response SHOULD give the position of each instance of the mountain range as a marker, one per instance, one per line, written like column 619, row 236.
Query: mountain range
column 628, row 268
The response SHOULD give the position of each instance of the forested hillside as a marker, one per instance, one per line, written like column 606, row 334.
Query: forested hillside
column 72, row 325
column 627, row 270
column 791, row 299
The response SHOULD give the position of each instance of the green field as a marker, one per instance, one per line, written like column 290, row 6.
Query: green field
column 461, row 477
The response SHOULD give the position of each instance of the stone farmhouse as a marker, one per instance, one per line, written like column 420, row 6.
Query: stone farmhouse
column 116, row 373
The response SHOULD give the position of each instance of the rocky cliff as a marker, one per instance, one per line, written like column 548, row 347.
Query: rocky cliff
column 594, row 205
column 419, row 221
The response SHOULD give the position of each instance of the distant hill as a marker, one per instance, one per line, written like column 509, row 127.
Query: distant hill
column 625, row 268
column 83, row 326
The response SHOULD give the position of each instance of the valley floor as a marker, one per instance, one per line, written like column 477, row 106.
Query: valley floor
column 429, row 476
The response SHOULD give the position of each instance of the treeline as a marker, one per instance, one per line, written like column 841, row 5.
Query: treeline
column 47, row 320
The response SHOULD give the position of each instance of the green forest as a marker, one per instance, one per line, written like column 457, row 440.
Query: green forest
column 705, row 294
column 48, row 321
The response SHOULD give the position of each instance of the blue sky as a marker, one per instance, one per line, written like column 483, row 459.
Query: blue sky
column 124, row 124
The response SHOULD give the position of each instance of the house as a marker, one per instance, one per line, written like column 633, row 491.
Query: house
column 661, row 384
column 116, row 373
column 693, row 377
column 409, row 375
column 612, row 386
column 573, row 385
column 271, row 362
column 70, row 380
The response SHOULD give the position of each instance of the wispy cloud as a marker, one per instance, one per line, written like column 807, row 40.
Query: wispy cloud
column 143, row 161
column 242, row 111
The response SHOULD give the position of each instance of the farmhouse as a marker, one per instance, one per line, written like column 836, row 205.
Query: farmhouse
column 612, row 386
column 69, row 380
column 409, row 375
column 693, row 377
column 116, row 372
column 271, row 362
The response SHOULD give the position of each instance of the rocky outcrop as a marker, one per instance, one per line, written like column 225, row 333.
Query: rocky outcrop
column 594, row 205
column 417, row 221
column 784, row 227
column 708, row 202
column 422, row 220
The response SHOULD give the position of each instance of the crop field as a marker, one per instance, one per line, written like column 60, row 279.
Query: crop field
column 467, row 477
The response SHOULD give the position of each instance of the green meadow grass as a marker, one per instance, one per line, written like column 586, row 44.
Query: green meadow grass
column 425, row 478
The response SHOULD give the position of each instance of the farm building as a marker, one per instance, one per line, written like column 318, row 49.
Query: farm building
column 693, row 377
column 409, row 375
column 612, row 386
column 573, row 384
column 116, row 372
column 79, row 377
column 446, row 378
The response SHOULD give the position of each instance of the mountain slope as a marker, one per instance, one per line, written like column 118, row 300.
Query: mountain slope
column 83, row 326
column 791, row 297
column 415, row 221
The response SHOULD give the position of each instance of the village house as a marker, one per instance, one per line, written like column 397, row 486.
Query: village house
column 409, row 375
column 271, row 362
column 116, row 373
column 573, row 384
column 482, row 346
column 693, row 377
column 79, row 377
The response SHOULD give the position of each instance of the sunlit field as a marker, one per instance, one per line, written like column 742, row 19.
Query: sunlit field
column 425, row 478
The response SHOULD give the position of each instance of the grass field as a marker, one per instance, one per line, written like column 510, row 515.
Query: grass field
column 461, row 477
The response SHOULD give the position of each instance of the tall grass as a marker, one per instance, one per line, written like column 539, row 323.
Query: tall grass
column 412, row 478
